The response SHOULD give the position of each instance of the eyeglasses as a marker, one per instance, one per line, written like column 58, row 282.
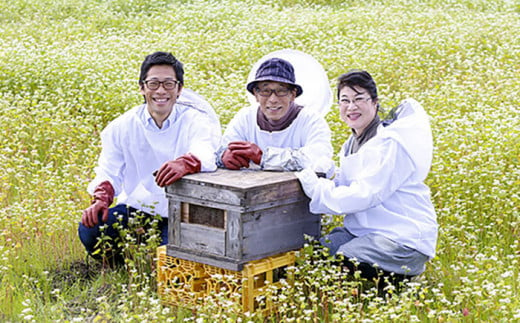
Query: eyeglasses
column 168, row 84
column 357, row 101
column 268, row 92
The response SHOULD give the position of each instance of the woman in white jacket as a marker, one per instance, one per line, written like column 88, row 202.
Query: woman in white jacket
column 390, row 225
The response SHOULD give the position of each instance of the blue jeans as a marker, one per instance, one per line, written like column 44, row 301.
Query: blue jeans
column 89, row 236
column 374, row 248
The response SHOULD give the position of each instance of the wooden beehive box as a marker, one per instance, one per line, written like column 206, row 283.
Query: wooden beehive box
column 228, row 218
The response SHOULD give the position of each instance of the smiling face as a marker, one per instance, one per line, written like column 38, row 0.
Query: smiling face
column 160, row 102
column 273, row 106
column 357, row 108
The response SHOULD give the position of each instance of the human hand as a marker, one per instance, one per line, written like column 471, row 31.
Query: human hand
column 247, row 150
column 103, row 197
column 233, row 161
column 324, row 166
column 91, row 214
column 173, row 170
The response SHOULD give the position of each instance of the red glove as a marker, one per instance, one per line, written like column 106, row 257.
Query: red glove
column 247, row 150
column 174, row 170
column 103, row 197
column 233, row 161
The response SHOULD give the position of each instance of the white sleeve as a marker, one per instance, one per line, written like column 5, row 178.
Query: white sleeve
column 316, row 153
column 385, row 167
column 204, row 139
column 205, row 130
column 111, row 162
column 237, row 129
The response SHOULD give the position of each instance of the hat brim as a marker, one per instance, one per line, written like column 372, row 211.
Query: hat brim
column 251, row 85
column 310, row 75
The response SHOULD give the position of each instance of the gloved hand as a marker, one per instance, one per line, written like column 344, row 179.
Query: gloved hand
column 233, row 161
column 103, row 197
column 174, row 170
column 247, row 150
column 324, row 166
column 309, row 180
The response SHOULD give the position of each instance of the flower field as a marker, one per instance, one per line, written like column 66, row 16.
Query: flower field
column 68, row 67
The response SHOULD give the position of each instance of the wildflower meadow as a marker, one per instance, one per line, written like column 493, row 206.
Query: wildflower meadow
column 68, row 67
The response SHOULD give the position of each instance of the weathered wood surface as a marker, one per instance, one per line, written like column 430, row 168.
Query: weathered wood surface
column 203, row 238
column 174, row 222
column 280, row 228
column 248, row 190
column 228, row 218
column 241, row 180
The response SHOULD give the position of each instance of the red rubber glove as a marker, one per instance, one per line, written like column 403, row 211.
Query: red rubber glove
column 174, row 170
column 233, row 161
column 247, row 150
column 103, row 197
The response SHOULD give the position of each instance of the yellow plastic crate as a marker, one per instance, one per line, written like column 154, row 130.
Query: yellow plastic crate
column 187, row 283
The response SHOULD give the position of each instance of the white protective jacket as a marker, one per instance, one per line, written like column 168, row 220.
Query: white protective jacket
column 381, row 189
column 305, row 143
column 133, row 148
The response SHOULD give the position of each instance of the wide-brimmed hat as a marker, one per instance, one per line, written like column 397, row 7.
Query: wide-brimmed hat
column 276, row 70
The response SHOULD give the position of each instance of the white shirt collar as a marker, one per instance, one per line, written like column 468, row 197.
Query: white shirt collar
column 149, row 122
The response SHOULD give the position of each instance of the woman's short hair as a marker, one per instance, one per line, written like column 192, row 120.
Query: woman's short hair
column 359, row 78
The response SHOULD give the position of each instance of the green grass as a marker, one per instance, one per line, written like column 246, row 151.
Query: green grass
column 68, row 67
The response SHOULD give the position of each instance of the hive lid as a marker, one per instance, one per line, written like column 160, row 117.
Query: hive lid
column 240, row 179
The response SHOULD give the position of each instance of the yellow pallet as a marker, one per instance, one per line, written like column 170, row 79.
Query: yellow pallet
column 187, row 283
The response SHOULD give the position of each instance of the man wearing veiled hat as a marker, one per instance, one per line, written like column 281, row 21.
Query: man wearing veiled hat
column 277, row 134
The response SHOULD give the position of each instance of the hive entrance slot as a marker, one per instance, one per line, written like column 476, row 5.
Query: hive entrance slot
column 198, row 214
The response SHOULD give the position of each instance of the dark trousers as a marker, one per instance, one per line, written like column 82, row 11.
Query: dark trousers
column 89, row 236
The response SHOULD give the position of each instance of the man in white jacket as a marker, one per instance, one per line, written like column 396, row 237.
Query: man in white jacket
column 147, row 148
column 390, row 223
column 277, row 134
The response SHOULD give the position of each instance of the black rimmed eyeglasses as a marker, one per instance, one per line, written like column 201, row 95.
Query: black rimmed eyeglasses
column 268, row 92
column 168, row 84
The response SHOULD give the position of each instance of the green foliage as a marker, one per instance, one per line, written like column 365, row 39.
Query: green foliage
column 68, row 67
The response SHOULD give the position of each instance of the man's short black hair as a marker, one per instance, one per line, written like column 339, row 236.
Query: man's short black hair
column 161, row 58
